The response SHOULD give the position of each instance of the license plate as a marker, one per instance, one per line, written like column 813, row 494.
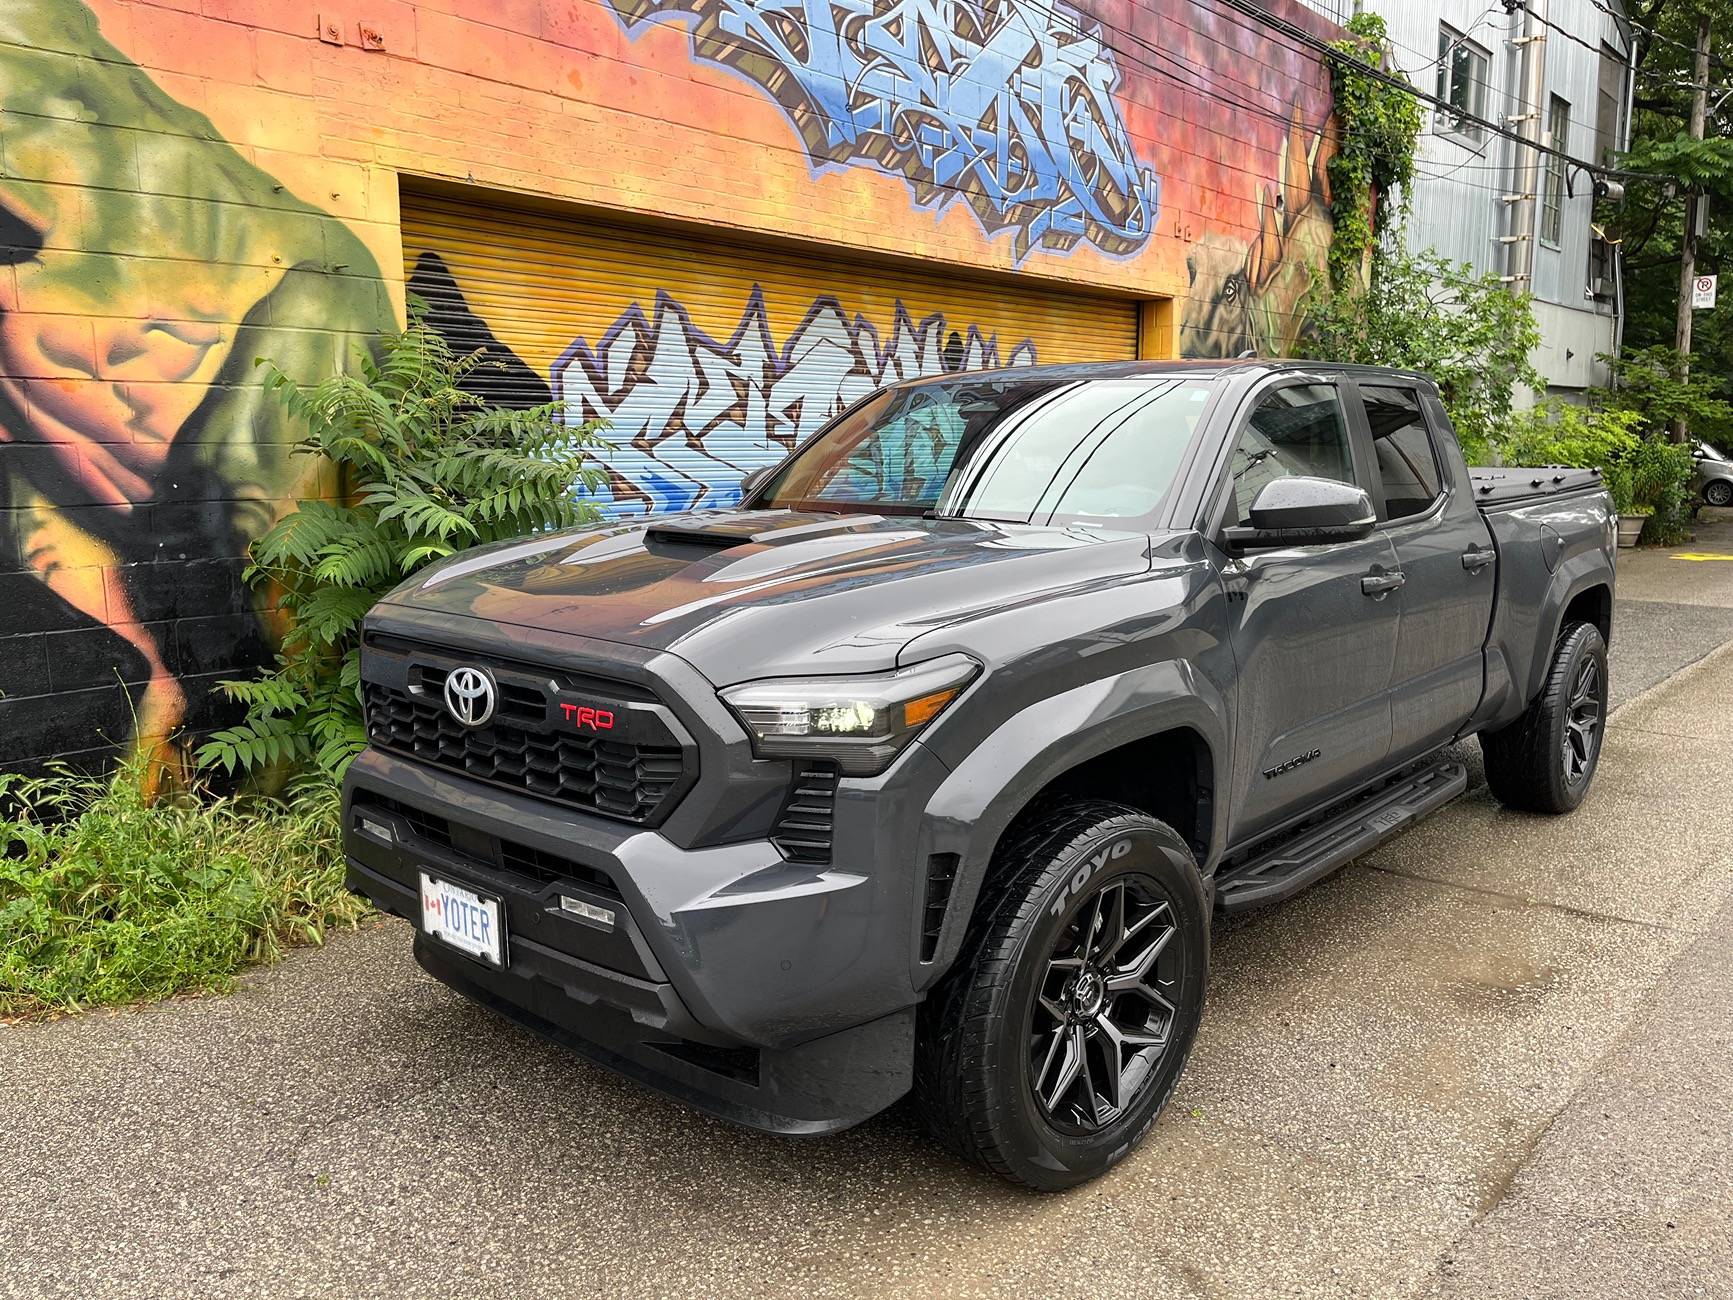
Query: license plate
column 470, row 922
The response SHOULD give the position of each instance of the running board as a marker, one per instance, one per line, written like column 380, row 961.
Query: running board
column 1314, row 851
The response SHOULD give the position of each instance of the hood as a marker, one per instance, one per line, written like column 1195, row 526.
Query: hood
column 745, row 594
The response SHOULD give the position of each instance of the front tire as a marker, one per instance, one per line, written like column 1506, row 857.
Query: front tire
column 1049, row 1049
column 1544, row 761
column 1719, row 493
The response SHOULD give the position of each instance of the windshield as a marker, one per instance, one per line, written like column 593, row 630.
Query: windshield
column 1011, row 449
column 1712, row 452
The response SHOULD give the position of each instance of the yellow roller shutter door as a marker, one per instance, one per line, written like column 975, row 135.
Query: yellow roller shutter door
column 709, row 359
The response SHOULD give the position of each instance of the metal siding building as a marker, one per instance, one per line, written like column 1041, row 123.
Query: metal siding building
column 1458, row 204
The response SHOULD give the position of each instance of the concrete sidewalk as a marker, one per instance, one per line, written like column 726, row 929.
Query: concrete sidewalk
column 1490, row 1059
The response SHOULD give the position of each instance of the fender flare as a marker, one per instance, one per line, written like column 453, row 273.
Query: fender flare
column 972, row 807
column 1551, row 622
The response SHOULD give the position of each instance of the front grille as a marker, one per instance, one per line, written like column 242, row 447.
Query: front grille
column 804, row 830
column 620, row 779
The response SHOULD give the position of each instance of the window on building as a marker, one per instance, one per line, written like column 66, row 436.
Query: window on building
column 1609, row 104
column 1552, row 189
column 1464, row 69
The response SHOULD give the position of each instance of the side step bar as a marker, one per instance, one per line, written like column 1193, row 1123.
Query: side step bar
column 1295, row 861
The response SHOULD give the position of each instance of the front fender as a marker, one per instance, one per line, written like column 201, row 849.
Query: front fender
column 970, row 811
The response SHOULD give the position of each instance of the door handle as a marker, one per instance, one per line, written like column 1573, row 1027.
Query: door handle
column 1476, row 558
column 1378, row 585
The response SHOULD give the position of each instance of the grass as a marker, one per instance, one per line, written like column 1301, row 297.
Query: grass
column 108, row 898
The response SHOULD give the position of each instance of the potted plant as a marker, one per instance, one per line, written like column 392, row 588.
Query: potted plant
column 1621, row 480
column 1660, row 475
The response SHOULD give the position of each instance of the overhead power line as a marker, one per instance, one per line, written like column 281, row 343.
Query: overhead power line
column 1320, row 46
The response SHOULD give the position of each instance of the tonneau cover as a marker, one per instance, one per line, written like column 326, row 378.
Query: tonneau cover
column 1514, row 484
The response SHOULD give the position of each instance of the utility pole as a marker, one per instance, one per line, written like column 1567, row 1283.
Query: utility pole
column 1693, row 215
column 1525, row 168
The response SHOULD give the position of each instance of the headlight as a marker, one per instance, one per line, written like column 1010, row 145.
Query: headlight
column 861, row 722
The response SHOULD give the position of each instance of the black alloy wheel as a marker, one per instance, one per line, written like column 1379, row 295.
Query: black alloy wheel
column 1582, row 730
column 1104, row 1011
column 1059, row 1033
column 1545, row 759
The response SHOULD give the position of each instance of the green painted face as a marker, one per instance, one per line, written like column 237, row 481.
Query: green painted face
column 151, row 263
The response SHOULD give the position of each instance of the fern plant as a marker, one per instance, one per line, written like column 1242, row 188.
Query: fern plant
column 425, row 470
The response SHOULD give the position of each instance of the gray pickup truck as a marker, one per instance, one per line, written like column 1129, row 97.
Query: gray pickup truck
column 925, row 769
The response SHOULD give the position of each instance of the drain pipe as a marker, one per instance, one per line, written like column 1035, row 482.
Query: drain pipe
column 1630, row 34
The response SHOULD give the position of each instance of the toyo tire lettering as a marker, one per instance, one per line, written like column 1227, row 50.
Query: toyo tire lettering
column 1109, row 853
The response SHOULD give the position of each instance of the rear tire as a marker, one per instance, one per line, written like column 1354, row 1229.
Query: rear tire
column 1047, row 1051
column 1719, row 493
column 1545, row 760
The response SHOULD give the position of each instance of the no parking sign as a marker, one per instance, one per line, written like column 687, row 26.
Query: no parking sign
column 1703, row 291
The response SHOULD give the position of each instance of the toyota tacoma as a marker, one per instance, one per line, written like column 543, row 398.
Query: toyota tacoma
column 926, row 767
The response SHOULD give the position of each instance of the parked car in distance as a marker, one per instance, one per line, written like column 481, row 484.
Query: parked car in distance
column 1714, row 475
column 926, row 768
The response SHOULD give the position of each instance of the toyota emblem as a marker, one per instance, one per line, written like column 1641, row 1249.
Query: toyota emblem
column 470, row 695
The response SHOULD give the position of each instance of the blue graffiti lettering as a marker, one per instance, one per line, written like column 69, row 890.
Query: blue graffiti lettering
column 1004, row 105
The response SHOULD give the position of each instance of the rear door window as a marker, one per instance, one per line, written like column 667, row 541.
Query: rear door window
column 1402, row 446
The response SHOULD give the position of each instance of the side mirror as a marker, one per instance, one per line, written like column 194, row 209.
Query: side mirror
column 1697, row 453
column 755, row 480
column 1301, row 511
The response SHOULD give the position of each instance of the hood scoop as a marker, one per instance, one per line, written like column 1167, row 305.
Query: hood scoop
column 714, row 538
column 725, row 528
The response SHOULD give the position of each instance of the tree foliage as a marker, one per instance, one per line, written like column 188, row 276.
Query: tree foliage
column 426, row 470
column 1423, row 312
column 1649, row 224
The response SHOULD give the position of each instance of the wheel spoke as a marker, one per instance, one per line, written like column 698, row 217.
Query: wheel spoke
column 1089, row 1092
column 1156, row 998
column 1132, row 976
column 1070, row 1066
column 1112, row 923
column 1113, row 1044
column 1054, row 1044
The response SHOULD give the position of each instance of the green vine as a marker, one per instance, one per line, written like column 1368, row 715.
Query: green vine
column 1379, row 124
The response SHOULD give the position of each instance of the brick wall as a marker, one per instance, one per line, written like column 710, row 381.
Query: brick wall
column 187, row 185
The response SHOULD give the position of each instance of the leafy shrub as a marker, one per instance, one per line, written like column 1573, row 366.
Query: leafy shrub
column 1646, row 383
column 1646, row 474
column 1661, row 473
column 1579, row 437
column 1422, row 312
column 427, row 470
column 107, row 897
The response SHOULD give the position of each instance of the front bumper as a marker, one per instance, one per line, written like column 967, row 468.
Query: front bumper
column 776, row 995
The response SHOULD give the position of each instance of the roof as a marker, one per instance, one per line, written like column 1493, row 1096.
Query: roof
column 1237, row 367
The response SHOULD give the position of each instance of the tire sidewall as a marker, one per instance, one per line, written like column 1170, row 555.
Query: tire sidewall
column 1580, row 644
column 1042, row 1155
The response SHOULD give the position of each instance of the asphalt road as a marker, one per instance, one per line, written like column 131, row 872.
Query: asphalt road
column 1493, row 1058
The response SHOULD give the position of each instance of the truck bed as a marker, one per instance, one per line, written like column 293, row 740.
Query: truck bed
column 1515, row 485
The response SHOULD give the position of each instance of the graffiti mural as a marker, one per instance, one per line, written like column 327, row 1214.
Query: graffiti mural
column 684, row 409
column 1249, row 296
column 1006, row 106
column 138, row 456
